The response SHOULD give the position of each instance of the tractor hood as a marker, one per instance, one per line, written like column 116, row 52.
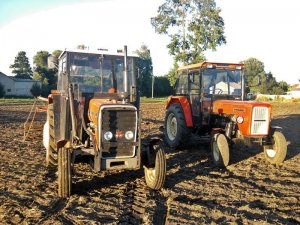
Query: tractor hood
column 95, row 104
column 253, row 118
column 230, row 107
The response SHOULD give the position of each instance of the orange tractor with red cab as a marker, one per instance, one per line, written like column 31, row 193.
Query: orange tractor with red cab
column 210, row 100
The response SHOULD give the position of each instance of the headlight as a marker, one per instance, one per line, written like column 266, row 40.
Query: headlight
column 108, row 135
column 240, row 119
column 129, row 135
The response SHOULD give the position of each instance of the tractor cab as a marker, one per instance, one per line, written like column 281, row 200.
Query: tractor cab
column 98, row 74
column 206, row 82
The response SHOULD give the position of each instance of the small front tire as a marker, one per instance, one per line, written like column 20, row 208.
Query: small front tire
column 220, row 150
column 276, row 153
column 155, row 174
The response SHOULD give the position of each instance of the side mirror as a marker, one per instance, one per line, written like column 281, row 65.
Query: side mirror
column 250, row 96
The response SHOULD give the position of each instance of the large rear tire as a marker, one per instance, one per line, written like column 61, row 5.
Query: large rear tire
column 220, row 150
column 48, row 138
column 176, row 132
column 64, row 172
column 155, row 174
column 276, row 153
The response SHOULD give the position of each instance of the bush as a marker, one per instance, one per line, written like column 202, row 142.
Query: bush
column 2, row 91
column 36, row 90
column 162, row 87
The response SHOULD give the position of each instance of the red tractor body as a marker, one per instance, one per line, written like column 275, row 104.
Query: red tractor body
column 210, row 100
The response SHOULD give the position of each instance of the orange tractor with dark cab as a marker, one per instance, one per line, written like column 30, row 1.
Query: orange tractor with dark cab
column 210, row 101
column 95, row 112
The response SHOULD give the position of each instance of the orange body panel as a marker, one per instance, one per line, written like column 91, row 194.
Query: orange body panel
column 94, row 106
column 183, row 101
column 240, row 108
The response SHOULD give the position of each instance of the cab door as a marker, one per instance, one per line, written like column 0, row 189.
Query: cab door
column 194, row 93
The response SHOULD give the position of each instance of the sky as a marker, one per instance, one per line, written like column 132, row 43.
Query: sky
column 267, row 30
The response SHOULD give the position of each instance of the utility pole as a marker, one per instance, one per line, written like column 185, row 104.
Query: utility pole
column 152, row 85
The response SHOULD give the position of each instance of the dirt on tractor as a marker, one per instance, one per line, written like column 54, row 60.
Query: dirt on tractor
column 249, row 191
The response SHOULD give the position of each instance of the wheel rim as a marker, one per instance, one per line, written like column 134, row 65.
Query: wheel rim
column 271, row 152
column 171, row 127
column 216, row 151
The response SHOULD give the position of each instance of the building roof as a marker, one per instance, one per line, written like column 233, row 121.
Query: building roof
column 18, row 80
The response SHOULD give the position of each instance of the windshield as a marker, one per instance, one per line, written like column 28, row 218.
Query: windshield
column 222, row 82
column 98, row 72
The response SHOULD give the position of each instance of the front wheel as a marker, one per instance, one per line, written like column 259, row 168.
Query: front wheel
column 64, row 172
column 276, row 153
column 220, row 150
column 155, row 174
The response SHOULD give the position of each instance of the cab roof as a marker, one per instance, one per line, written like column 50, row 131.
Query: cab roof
column 205, row 64
column 98, row 52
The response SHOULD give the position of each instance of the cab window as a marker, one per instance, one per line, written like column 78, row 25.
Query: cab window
column 182, row 83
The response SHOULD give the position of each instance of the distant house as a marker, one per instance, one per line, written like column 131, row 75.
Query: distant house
column 295, row 92
column 17, row 87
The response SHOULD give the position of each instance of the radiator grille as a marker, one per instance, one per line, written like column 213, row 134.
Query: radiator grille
column 118, row 120
column 260, row 121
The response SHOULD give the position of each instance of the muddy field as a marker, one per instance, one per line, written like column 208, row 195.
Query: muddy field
column 249, row 191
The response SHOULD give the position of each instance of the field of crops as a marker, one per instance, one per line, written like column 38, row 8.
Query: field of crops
column 249, row 191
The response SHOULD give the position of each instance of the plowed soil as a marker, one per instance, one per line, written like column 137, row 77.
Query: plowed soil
column 249, row 191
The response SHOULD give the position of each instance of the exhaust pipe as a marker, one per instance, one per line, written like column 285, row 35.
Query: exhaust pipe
column 125, row 71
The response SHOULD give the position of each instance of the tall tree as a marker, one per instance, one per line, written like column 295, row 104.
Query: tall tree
column 47, row 76
column 145, row 70
column 21, row 67
column 41, row 59
column 255, row 70
column 193, row 26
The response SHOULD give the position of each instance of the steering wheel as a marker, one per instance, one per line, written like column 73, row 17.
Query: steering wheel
column 220, row 91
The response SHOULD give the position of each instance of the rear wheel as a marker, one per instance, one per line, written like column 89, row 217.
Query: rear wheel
column 276, row 153
column 64, row 172
column 155, row 174
column 220, row 150
column 176, row 132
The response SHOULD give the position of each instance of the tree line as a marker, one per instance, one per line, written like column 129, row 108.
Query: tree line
column 193, row 27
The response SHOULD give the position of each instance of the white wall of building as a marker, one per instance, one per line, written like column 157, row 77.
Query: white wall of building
column 17, row 87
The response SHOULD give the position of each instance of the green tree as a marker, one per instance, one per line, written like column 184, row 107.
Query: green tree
column 162, row 87
column 2, row 90
column 41, row 59
column 193, row 27
column 36, row 90
column 145, row 70
column 47, row 76
column 255, row 70
column 56, row 53
column 21, row 67
column 172, row 74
